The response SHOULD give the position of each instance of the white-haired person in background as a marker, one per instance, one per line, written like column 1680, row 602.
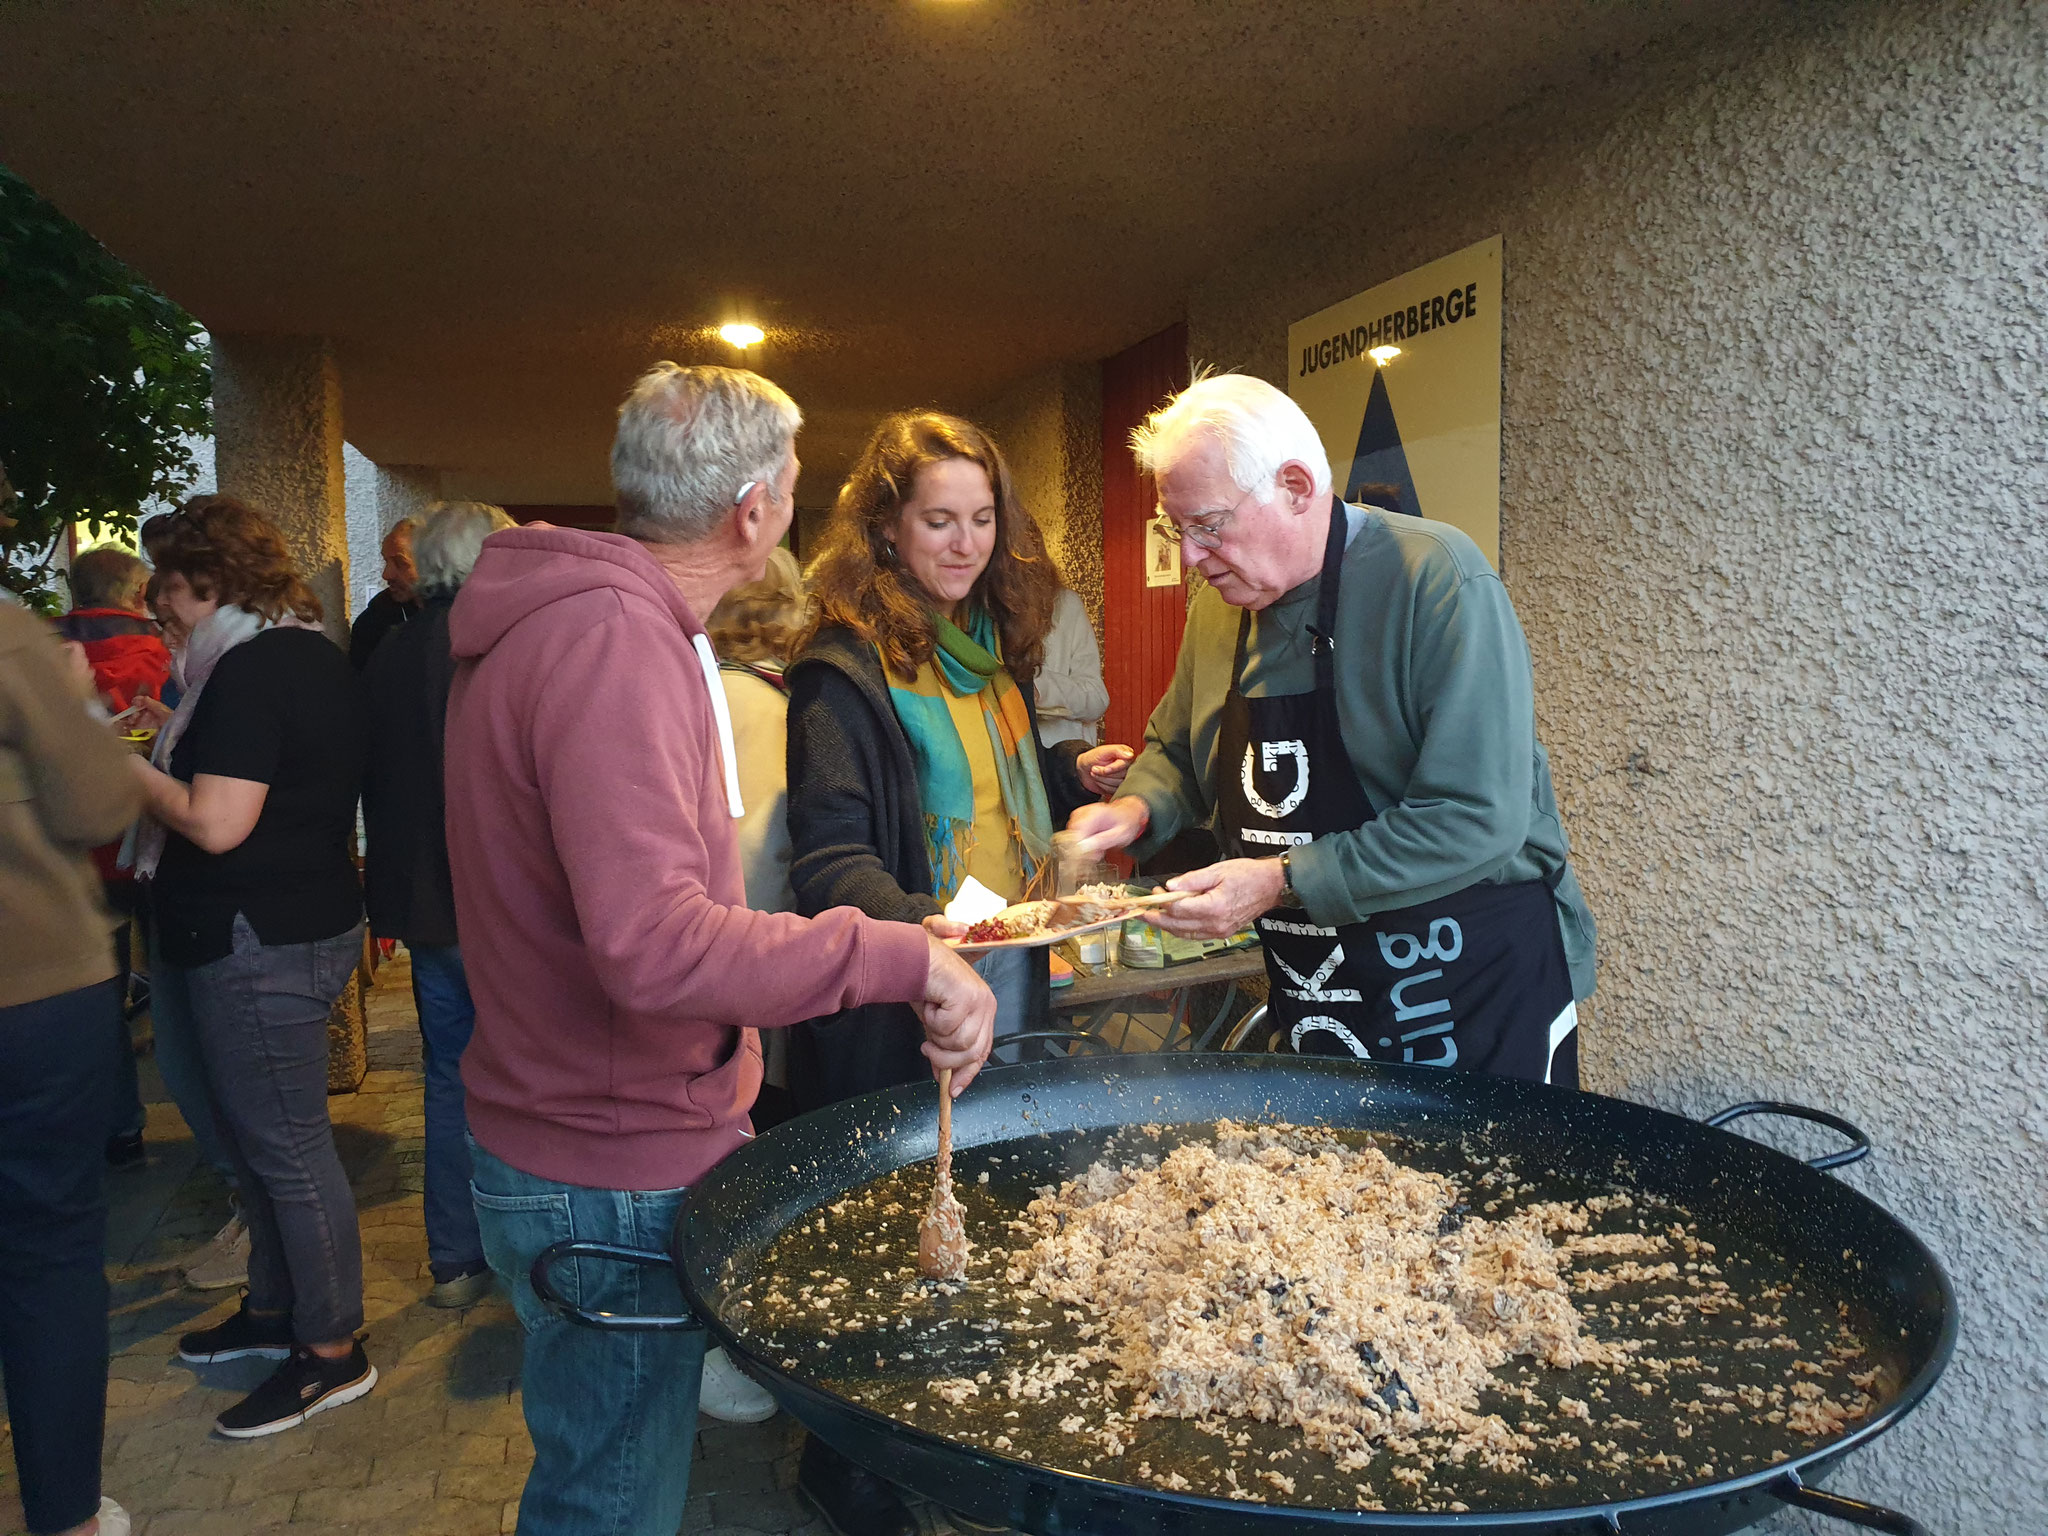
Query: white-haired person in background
column 1353, row 704
column 406, row 884
column 1072, row 698
column 619, row 975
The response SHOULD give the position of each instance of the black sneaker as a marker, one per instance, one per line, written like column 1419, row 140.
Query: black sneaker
column 242, row 1335
column 126, row 1151
column 303, row 1386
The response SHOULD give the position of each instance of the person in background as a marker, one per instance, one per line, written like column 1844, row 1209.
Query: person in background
column 107, row 617
column 396, row 605
column 129, row 662
column 151, row 536
column 166, row 701
column 64, row 789
column 1071, row 697
column 593, row 792
column 752, row 629
column 914, row 762
column 407, row 887
column 1353, row 705
column 253, row 807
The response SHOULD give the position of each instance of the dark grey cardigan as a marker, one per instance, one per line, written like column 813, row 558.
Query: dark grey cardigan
column 856, row 829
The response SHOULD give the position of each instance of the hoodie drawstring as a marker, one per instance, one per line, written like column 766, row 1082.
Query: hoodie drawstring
column 708, row 659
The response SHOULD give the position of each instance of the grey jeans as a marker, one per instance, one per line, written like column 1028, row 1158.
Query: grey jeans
column 262, row 1022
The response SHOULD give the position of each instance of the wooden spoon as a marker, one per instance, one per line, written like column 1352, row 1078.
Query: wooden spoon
column 942, row 1245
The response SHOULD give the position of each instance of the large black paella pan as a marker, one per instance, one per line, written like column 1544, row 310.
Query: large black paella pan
column 1829, row 1261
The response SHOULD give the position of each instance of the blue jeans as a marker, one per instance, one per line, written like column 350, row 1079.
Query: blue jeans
column 57, row 1076
column 178, row 1060
column 612, row 1415
column 440, row 992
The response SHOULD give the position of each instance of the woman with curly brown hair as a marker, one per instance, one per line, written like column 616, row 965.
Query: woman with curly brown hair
column 913, row 751
column 252, row 793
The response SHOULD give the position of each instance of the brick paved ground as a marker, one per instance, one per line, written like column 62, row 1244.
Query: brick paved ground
column 439, row 1449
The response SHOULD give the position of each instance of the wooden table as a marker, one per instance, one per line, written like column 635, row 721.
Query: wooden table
column 1101, row 998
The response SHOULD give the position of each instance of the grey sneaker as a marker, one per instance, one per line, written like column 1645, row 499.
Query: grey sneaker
column 222, row 1262
column 462, row 1291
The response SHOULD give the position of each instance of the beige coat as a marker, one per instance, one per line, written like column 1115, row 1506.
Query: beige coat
column 65, row 788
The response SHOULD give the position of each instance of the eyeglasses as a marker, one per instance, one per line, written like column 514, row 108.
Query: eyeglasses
column 1206, row 532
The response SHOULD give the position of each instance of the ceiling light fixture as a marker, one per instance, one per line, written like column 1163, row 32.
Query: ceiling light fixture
column 741, row 336
column 1384, row 355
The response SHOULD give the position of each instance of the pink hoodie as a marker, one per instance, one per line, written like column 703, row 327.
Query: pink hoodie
column 617, row 971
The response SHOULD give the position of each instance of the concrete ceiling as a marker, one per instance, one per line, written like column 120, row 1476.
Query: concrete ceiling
column 500, row 212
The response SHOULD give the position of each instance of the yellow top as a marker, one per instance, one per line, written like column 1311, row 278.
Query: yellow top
column 995, row 860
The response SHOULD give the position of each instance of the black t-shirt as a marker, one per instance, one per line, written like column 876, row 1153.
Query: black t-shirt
column 283, row 709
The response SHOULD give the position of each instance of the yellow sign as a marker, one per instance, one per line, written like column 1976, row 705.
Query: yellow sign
column 1403, row 384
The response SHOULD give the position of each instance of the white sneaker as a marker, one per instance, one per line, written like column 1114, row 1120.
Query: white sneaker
column 223, row 1261
column 114, row 1520
column 730, row 1394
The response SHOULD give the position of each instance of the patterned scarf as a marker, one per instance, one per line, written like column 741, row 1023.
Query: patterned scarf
column 970, row 661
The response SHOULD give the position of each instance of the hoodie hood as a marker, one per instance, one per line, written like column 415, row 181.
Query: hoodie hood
column 521, row 571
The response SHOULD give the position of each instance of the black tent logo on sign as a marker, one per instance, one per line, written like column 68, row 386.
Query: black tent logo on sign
column 1379, row 470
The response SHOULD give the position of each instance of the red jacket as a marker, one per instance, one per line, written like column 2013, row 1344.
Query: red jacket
column 617, row 971
column 128, row 656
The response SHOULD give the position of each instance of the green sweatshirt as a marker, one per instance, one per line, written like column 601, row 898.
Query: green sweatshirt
column 1435, row 700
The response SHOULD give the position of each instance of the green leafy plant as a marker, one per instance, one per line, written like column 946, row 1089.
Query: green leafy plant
column 103, row 382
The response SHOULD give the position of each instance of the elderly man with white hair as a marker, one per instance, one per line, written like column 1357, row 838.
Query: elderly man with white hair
column 1353, row 706
column 618, row 975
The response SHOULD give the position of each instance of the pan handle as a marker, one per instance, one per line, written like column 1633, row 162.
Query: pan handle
column 1789, row 1489
column 1854, row 1153
column 562, row 1306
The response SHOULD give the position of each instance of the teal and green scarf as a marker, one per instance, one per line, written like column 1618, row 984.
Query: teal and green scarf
column 970, row 661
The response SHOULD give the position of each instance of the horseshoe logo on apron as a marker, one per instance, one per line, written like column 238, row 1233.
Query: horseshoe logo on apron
column 1351, row 1042
column 1270, row 753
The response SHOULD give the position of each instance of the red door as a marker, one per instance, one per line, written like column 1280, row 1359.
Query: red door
column 1141, row 625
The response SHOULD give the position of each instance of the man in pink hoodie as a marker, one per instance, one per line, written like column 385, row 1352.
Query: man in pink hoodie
column 618, row 974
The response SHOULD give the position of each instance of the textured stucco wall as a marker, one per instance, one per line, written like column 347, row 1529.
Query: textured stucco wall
column 1772, row 515
column 404, row 490
column 1050, row 430
column 359, row 497
column 277, row 445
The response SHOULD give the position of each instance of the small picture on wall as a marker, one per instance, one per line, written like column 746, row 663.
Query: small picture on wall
column 1162, row 558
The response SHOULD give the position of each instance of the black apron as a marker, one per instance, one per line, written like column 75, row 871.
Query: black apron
column 1471, row 980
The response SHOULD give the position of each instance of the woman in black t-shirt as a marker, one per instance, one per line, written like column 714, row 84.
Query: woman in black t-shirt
column 258, row 906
